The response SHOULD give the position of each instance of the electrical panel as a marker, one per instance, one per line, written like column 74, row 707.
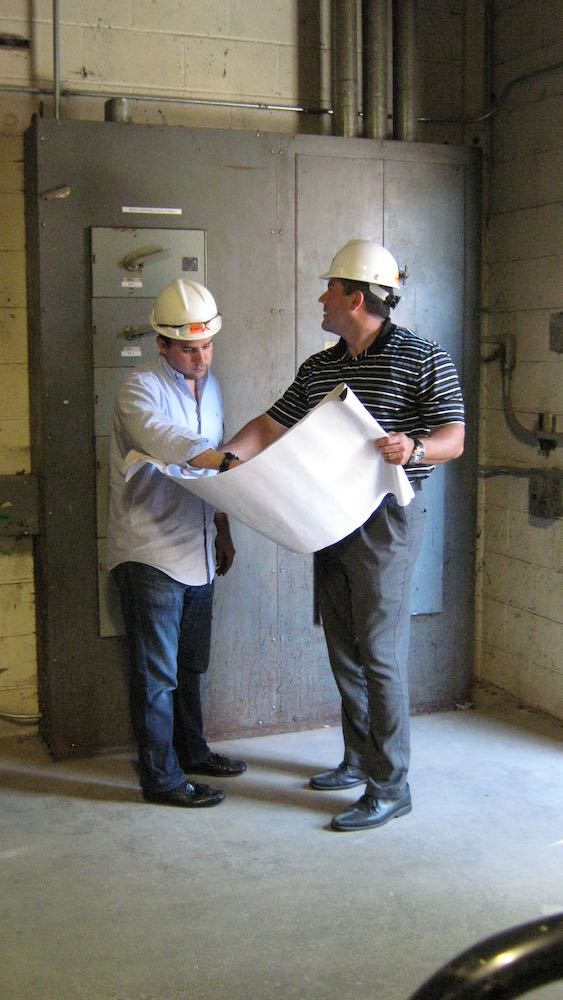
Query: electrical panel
column 129, row 267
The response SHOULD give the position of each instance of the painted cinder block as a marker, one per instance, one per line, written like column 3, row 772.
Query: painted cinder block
column 17, row 609
column 275, row 21
column 300, row 77
column 518, row 29
column 525, row 234
column 15, row 455
column 210, row 18
column 522, row 585
column 230, row 67
column 508, row 671
column 85, row 12
column 134, row 58
column 20, row 701
column 538, row 386
column 17, row 656
column 503, row 448
column 531, row 329
column 16, row 560
column 13, row 335
column 12, row 233
column 16, row 65
column 11, row 153
column 493, row 622
column 537, row 637
column 546, row 690
column 14, row 392
column 71, row 52
column 526, row 284
column 507, row 492
column 11, row 176
column 537, row 131
column 496, row 529
column 536, row 541
column 12, row 278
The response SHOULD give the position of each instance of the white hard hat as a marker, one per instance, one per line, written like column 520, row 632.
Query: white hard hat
column 185, row 310
column 365, row 260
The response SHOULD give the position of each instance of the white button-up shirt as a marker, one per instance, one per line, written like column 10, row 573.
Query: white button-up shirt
column 152, row 519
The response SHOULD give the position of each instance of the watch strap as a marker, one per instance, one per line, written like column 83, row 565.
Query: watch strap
column 228, row 457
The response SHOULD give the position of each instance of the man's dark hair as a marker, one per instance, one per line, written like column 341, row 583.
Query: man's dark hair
column 374, row 305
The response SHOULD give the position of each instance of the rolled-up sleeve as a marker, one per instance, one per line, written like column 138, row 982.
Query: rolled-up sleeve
column 155, row 424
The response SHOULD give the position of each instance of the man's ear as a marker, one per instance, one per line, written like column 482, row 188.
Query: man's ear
column 358, row 299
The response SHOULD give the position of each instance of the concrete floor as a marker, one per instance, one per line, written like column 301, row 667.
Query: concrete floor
column 104, row 896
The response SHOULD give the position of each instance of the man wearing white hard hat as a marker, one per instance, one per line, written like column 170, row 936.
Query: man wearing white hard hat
column 410, row 385
column 164, row 544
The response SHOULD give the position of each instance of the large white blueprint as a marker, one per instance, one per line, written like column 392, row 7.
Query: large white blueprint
column 313, row 486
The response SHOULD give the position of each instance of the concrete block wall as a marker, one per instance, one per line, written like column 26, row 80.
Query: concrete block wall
column 18, row 680
column 522, row 556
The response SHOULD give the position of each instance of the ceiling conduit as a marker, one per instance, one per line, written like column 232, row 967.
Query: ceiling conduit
column 344, row 18
column 375, row 34
column 405, row 76
column 57, row 58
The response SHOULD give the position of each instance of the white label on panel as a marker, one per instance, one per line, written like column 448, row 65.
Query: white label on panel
column 151, row 211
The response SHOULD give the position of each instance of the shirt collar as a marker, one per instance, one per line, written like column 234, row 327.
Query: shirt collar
column 376, row 346
column 177, row 376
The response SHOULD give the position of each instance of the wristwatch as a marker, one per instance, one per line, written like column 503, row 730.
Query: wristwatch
column 417, row 454
column 228, row 457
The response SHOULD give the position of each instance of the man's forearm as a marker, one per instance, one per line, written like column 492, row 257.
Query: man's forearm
column 444, row 443
column 256, row 435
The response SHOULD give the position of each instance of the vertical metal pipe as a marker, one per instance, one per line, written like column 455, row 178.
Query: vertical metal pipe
column 56, row 58
column 344, row 18
column 375, row 33
column 405, row 76
column 325, row 64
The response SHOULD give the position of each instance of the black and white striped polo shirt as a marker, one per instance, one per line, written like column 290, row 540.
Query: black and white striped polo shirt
column 408, row 384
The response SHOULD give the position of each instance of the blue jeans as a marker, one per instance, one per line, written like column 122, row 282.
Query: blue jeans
column 364, row 585
column 168, row 630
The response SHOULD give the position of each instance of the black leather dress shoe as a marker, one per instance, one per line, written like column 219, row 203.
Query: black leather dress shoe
column 187, row 795
column 369, row 812
column 216, row 765
column 343, row 776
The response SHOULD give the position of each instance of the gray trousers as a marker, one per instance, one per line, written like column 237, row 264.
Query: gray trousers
column 364, row 585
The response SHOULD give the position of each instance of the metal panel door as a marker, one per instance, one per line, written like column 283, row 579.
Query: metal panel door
column 353, row 193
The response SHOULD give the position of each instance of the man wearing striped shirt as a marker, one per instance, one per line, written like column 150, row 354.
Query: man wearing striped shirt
column 411, row 387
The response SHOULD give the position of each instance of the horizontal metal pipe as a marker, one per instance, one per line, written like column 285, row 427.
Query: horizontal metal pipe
column 160, row 99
